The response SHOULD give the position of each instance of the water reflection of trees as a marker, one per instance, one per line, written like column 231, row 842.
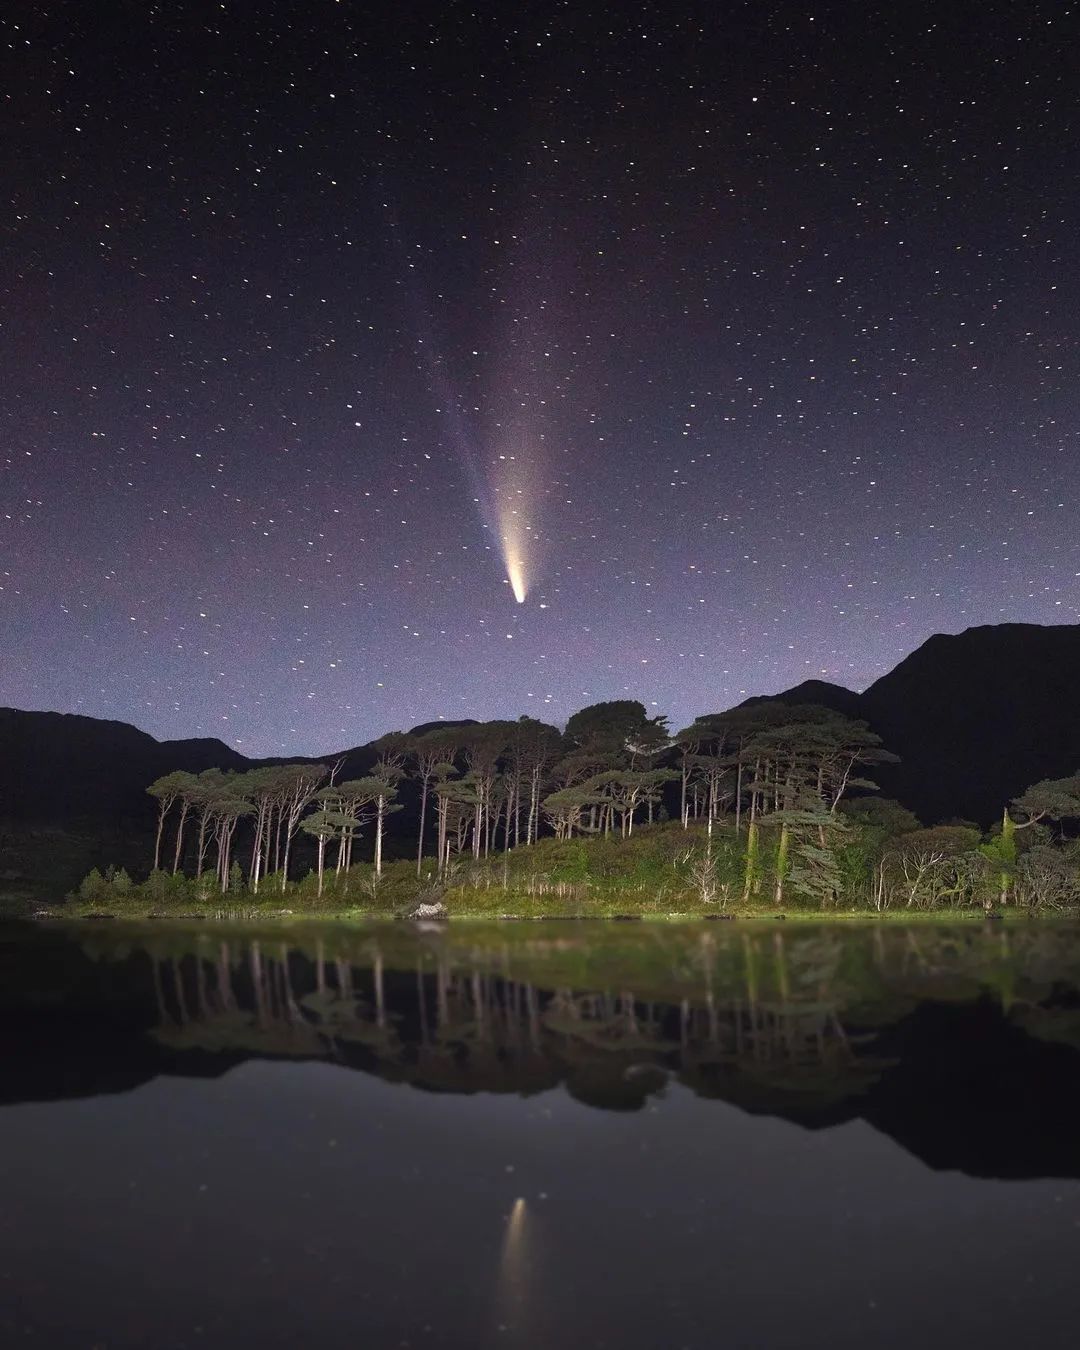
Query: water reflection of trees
column 754, row 1021
column 957, row 1040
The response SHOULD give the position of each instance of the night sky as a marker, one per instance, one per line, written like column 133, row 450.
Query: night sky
column 741, row 338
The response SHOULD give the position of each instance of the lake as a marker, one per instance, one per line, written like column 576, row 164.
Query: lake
column 540, row 1135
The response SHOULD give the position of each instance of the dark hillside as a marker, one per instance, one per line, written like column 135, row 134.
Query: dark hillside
column 978, row 717
column 60, row 768
column 73, row 795
column 975, row 717
column 820, row 692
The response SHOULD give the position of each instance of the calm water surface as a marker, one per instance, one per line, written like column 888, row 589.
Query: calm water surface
column 534, row 1135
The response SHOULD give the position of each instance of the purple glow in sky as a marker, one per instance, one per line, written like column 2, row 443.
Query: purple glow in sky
column 761, row 320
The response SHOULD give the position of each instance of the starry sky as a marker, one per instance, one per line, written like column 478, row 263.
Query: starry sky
column 740, row 339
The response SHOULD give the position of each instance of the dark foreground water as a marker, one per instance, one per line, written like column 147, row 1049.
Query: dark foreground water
column 540, row 1135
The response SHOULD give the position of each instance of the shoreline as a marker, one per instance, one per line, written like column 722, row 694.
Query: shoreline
column 285, row 917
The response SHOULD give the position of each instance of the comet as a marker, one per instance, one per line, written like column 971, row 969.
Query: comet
column 515, row 574
column 513, row 537
column 500, row 480
column 511, row 475
column 500, row 447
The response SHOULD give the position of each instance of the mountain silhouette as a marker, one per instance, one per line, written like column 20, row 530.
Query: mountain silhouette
column 975, row 717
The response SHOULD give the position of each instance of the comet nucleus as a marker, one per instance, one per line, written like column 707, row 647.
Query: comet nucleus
column 516, row 575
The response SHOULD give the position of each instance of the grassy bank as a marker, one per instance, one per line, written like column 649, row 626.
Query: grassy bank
column 660, row 873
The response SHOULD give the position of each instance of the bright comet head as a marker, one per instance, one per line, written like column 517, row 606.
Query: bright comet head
column 516, row 575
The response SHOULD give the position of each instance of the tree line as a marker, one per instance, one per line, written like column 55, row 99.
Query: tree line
column 499, row 785
column 786, row 786
column 1030, row 859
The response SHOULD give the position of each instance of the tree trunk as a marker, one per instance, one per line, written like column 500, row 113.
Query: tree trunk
column 226, row 850
column 185, row 808
column 202, row 847
column 534, row 807
column 423, row 816
column 440, row 812
column 750, row 878
column 738, row 799
column 162, row 809
column 782, row 855
column 285, row 861
column 256, row 848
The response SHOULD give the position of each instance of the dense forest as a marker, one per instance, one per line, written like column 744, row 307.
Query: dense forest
column 766, row 807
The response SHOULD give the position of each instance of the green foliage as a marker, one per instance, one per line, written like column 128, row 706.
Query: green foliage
column 808, row 844
column 1053, row 798
column 951, row 840
column 324, row 824
column 855, row 861
column 1000, row 852
column 816, row 876
column 164, row 891
column 171, row 787
column 114, row 892
column 609, row 726
column 880, row 814
column 92, row 887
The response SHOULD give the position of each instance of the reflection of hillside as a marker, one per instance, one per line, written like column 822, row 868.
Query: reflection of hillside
column 768, row 1057
column 1060, row 1026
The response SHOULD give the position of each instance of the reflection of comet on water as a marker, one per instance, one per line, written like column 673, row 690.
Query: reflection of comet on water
column 514, row 1238
column 513, row 1262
